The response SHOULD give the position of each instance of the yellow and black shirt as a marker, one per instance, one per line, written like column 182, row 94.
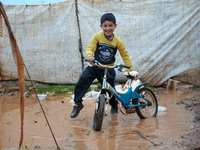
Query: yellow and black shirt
column 104, row 50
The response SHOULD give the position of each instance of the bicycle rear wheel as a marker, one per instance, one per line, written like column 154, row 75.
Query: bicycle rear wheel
column 98, row 114
column 150, row 110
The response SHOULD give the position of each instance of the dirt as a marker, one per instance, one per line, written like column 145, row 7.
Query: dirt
column 177, row 127
column 192, row 105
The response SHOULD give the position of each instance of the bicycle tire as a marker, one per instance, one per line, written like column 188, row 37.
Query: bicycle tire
column 146, row 111
column 98, row 114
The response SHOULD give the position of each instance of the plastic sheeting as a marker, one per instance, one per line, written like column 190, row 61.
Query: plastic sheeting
column 162, row 37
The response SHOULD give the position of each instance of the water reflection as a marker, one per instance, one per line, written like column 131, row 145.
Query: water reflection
column 112, row 143
column 77, row 134
column 148, row 124
column 78, row 131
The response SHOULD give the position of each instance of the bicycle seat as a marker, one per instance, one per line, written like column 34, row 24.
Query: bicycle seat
column 132, row 73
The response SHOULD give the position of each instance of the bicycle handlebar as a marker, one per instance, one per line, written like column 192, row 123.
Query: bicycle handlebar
column 125, row 66
column 119, row 66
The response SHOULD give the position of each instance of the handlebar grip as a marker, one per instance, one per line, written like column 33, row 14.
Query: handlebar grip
column 125, row 66
column 87, row 60
column 92, row 64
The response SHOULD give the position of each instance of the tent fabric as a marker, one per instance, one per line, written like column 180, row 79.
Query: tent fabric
column 1, row 27
column 162, row 37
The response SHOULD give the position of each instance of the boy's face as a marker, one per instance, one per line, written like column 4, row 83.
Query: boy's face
column 108, row 28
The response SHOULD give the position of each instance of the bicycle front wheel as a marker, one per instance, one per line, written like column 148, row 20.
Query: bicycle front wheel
column 99, row 113
column 149, row 110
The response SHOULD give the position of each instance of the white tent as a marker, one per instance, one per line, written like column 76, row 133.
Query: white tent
column 162, row 37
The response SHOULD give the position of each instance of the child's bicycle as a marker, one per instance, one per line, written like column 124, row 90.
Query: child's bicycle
column 142, row 100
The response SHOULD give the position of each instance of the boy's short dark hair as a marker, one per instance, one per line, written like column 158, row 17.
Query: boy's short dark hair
column 108, row 17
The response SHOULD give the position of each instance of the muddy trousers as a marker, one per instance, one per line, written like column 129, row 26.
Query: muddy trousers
column 86, row 79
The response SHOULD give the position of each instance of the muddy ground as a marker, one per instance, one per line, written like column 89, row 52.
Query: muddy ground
column 176, row 127
column 192, row 104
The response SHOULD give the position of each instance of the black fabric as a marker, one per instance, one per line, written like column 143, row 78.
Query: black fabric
column 86, row 79
column 105, row 54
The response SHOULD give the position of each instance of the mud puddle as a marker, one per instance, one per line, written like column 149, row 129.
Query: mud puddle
column 117, row 130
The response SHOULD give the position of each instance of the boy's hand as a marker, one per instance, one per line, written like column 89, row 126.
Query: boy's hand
column 90, row 59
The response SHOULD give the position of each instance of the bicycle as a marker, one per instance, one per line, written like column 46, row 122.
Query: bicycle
column 142, row 99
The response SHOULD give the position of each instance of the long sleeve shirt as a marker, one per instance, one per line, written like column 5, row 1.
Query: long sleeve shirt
column 104, row 50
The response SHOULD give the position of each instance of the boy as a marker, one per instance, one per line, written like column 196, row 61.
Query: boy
column 102, row 47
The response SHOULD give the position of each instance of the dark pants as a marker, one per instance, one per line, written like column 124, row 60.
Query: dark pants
column 86, row 79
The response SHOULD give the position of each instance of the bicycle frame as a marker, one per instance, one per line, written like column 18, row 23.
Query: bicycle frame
column 124, row 98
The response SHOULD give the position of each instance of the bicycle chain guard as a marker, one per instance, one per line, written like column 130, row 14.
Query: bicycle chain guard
column 125, row 111
column 122, row 108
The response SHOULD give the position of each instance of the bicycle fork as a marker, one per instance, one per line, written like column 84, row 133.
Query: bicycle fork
column 106, row 95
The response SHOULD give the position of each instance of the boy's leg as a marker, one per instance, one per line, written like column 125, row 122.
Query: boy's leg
column 111, row 80
column 113, row 101
column 81, row 88
column 83, row 84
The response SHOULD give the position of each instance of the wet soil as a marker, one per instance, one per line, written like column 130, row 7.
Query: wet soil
column 177, row 127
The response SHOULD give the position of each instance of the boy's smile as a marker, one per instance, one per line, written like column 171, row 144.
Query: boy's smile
column 108, row 28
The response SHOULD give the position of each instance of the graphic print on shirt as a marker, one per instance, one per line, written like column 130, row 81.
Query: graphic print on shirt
column 105, row 53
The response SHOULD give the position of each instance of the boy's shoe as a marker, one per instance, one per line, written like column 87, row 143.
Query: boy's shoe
column 114, row 110
column 76, row 111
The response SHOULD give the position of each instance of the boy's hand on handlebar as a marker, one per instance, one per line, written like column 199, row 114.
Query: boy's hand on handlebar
column 90, row 59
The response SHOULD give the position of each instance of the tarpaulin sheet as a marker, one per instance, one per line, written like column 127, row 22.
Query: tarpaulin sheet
column 162, row 37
